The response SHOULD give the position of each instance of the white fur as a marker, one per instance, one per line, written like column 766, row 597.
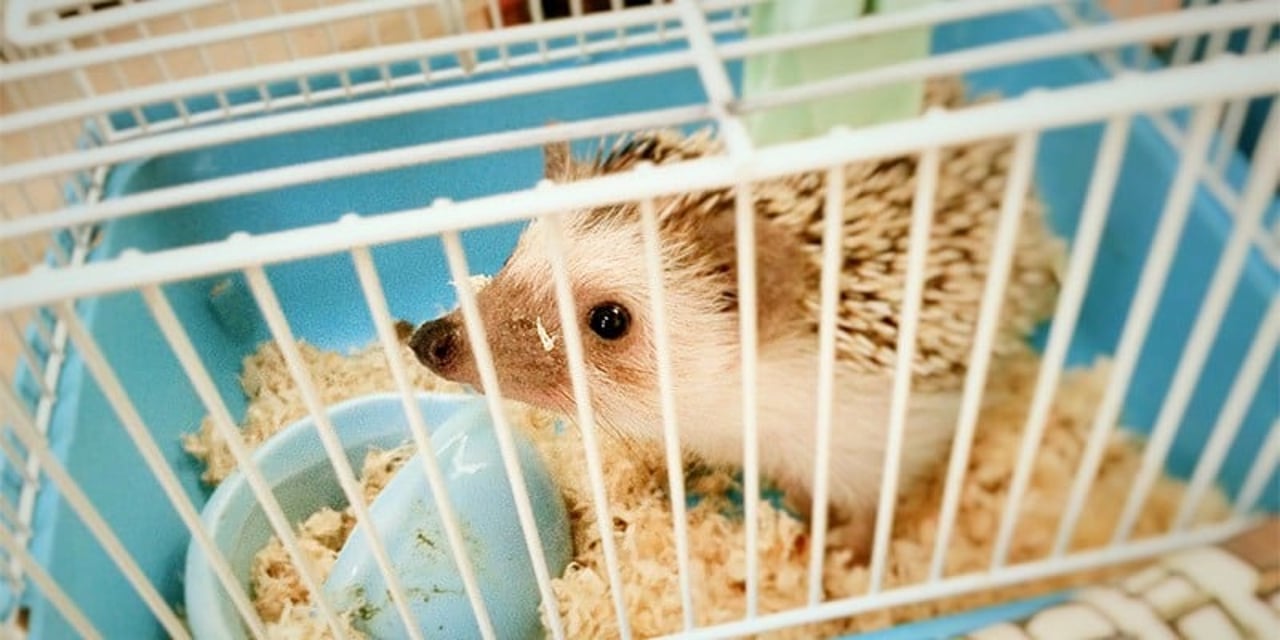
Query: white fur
column 706, row 363
column 608, row 264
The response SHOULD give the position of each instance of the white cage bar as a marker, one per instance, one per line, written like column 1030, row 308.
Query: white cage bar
column 203, row 383
column 269, row 305
column 832, row 248
column 555, row 246
column 1138, row 318
column 376, row 300
column 493, row 395
column 1261, row 189
column 666, row 386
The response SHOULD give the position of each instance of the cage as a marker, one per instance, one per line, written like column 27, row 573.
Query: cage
column 214, row 213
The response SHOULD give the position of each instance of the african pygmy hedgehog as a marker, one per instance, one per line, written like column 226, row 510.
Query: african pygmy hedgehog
column 605, row 257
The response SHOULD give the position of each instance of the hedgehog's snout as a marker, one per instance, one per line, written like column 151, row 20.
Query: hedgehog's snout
column 438, row 345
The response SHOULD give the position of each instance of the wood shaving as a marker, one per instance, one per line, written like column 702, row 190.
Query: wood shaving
column 642, row 519
column 643, row 522
column 548, row 342
column 274, row 401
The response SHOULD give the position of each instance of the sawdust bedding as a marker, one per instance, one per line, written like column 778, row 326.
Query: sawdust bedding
column 641, row 507
column 643, row 521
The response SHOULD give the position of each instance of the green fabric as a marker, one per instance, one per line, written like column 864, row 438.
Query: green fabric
column 767, row 73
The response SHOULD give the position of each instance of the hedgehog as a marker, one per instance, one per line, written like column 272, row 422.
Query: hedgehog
column 604, row 251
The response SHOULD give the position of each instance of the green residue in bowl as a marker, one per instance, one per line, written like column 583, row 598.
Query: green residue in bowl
column 424, row 540
column 366, row 610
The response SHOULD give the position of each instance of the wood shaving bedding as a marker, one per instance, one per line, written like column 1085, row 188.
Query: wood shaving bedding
column 640, row 508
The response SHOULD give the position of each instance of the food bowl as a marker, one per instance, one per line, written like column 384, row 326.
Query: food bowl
column 295, row 465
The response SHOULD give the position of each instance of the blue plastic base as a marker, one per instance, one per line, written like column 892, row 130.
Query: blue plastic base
column 948, row 627
column 321, row 296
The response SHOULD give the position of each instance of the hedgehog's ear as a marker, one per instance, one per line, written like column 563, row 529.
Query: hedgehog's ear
column 557, row 162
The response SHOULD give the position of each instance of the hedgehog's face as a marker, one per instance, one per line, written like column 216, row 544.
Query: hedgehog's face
column 613, row 313
column 604, row 253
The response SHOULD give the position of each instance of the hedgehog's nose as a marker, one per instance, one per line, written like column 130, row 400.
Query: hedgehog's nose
column 436, row 344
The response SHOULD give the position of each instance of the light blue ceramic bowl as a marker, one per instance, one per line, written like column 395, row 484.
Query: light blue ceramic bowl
column 295, row 465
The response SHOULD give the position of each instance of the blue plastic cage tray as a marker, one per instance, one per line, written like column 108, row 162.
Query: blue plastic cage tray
column 86, row 434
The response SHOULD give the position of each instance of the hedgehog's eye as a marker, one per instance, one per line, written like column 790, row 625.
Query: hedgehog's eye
column 610, row 320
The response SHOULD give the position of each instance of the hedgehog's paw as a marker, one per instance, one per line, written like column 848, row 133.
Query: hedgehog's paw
column 854, row 534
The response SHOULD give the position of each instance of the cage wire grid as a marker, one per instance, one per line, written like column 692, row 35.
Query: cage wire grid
column 74, row 133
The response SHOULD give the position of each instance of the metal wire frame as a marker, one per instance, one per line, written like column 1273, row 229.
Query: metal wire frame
column 1263, row 469
column 980, row 355
column 1233, row 123
column 1215, row 173
column 24, row 426
column 1227, row 427
column 719, row 89
column 635, row 17
column 297, row 68
column 18, row 552
column 29, row 33
column 344, row 62
column 1258, row 195
column 1155, row 271
column 138, row 432
column 1007, row 576
column 278, row 22
column 273, row 313
column 966, row 61
column 493, row 395
column 1227, row 78
column 763, row 160
column 666, row 390
column 1080, row 266
column 832, row 260
column 555, row 246
column 29, row 468
column 375, row 298
column 292, row 70
column 203, row 384
column 723, row 94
